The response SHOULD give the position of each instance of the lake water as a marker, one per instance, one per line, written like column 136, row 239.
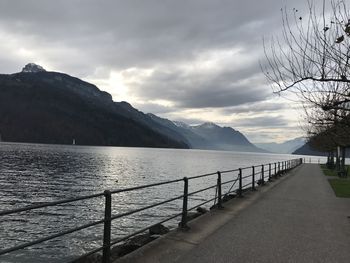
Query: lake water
column 35, row 173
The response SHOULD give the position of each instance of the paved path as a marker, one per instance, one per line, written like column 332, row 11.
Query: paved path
column 301, row 220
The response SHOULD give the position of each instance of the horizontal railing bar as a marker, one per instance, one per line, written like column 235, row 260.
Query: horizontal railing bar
column 247, row 176
column 200, row 176
column 69, row 231
column 229, row 171
column 18, row 210
column 265, row 164
column 227, row 182
column 144, row 186
column 144, row 229
column 146, row 207
column 201, row 190
column 23, row 209
column 161, row 222
column 32, row 243
column 126, row 237
column 247, row 167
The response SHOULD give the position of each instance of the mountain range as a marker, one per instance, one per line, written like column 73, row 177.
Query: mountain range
column 50, row 107
column 286, row 147
column 209, row 136
column 40, row 106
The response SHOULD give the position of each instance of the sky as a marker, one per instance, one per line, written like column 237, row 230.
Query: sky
column 187, row 60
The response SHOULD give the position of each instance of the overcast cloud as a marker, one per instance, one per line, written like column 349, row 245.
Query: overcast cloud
column 193, row 60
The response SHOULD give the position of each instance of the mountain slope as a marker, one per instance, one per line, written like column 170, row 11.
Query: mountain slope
column 129, row 111
column 209, row 136
column 224, row 138
column 51, row 107
column 307, row 150
column 285, row 147
column 194, row 140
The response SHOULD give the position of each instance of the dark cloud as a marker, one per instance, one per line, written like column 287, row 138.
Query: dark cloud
column 138, row 33
column 253, row 108
column 197, row 53
column 203, row 89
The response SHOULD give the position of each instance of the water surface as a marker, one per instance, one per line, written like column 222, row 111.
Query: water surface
column 35, row 173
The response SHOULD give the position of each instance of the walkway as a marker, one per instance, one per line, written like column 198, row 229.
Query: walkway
column 299, row 220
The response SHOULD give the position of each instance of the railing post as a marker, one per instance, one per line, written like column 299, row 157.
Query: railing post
column 285, row 167
column 107, row 228
column 183, row 223
column 270, row 178
column 219, row 191
column 279, row 168
column 240, row 190
column 262, row 175
column 253, row 178
column 275, row 170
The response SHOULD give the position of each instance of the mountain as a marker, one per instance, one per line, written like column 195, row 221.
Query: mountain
column 194, row 140
column 209, row 136
column 129, row 111
column 285, row 147
column 50, row 107
column 307, row 150
column 224, row 138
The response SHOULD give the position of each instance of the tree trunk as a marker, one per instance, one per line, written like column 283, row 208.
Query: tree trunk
column 337, row 160
column 342, row 168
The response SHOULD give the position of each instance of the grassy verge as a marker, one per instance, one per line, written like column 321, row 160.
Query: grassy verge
column 328, row 172
column 341, row 187
column 332, row 172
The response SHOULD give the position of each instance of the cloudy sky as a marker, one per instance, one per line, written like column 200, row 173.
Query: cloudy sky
column 192, row 60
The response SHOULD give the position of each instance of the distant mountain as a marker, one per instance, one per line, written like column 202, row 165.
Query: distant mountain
column 51, row 107
column 306, row 149
column 224, row 138
column 129, row 111
column 210, row 136
column 285, row 147
column 194, row 140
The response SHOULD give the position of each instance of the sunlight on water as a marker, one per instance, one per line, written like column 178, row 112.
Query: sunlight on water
column 32, row 173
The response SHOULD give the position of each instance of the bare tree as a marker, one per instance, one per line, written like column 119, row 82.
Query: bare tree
column 314, row 48
column 312, row 60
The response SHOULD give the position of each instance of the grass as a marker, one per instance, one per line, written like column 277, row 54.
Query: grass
column 341, row 187
column 332, row 172
column 328, row 172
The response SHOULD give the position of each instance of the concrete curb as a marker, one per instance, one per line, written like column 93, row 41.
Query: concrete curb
column 175, row 244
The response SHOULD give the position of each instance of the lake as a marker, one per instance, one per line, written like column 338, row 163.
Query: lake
column 36, row 173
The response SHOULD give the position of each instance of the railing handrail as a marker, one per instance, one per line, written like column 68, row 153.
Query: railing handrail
column 282, row 166
column 80, row 198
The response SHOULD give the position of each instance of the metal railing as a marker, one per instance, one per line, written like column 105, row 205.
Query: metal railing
column 248, row 178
